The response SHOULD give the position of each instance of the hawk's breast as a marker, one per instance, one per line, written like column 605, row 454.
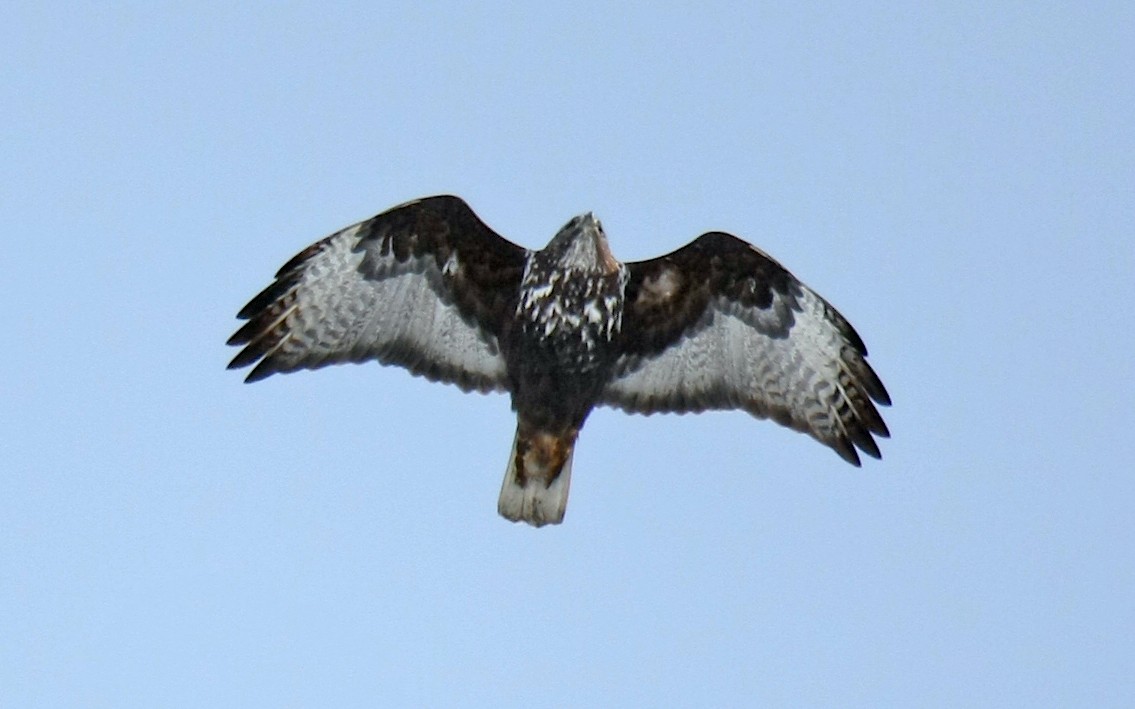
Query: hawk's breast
column 569, row 317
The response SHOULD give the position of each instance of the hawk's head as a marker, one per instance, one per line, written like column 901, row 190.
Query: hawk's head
column 581, row 245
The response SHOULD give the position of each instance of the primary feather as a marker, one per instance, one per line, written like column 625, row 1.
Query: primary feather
column 716, row 324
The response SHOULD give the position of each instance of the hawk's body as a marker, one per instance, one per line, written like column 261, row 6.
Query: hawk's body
column 716, row 324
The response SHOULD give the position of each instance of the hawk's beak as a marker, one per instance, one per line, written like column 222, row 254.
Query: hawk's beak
column 594, row 230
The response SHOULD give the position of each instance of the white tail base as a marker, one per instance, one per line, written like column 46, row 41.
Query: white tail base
column 531, row 498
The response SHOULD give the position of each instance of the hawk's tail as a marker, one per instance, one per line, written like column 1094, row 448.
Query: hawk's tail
column 535, row 488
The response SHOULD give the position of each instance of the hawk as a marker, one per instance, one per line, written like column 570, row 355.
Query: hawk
column 427, row 285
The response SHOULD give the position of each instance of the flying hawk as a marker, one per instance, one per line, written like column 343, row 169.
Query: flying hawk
column 717, row 324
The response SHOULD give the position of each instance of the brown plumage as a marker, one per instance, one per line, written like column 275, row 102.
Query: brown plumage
column 717, row 324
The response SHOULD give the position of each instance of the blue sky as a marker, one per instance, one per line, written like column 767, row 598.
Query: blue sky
column 957, row 178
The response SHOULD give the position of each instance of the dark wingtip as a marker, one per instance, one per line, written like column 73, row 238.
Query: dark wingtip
column 864, row 442
column 248, row 356
column 261, row 371
column 871, row 382
column 883, row 431
column 244, row 358
column 879, row 393
column 873, row 451
column 843, row 447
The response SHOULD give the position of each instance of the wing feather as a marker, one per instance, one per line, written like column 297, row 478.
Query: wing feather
column 426, row 285
column 718, row 324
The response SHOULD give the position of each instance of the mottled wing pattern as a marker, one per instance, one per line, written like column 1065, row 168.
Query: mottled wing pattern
column 426, row 285
column 718, row 324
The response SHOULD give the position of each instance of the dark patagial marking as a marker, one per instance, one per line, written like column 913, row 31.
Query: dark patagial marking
column 716, row 324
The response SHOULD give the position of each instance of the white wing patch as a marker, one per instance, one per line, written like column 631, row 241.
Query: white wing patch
column 726, row 361
column 397, row 313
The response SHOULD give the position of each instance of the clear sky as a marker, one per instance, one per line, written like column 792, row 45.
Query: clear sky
column 957, row 178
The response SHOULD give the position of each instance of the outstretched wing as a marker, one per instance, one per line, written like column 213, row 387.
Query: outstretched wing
column 426, row 285
column 718, row 324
